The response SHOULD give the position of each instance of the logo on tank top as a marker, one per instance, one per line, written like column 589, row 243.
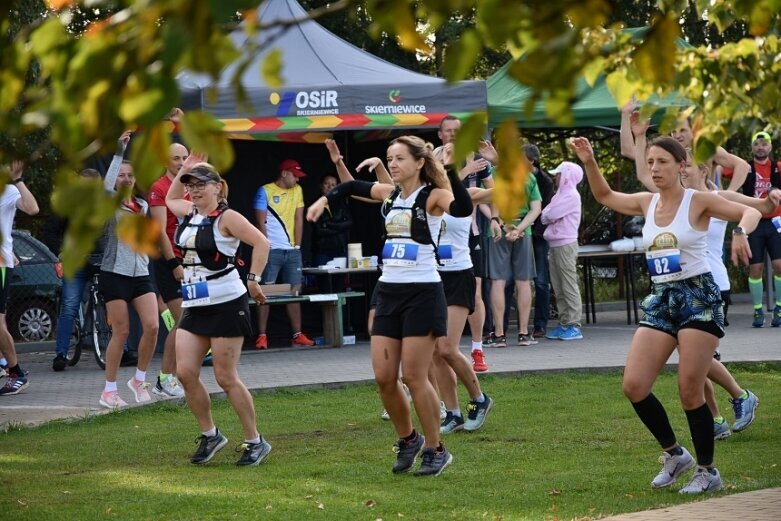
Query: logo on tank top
column 664, row 241
column 399, row 225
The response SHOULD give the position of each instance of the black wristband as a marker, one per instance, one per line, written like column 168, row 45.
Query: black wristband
column 16, row 181
column 496, row 219
column 173, row 263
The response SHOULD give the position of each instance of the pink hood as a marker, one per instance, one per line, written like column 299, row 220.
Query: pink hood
column 562, row 215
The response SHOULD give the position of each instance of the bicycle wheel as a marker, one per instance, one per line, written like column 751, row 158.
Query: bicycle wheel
column 74, row 346
column 101, row 331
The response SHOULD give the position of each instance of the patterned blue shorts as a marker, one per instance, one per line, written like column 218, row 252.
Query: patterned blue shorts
column 689, row 303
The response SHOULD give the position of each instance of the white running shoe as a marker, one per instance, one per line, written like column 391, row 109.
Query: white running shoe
column 703, row 481
column 672, row 468
column 140, row 390
column 169, row 388
column 442, row 411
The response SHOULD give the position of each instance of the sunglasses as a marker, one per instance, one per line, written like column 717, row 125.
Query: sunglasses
column 197, row 186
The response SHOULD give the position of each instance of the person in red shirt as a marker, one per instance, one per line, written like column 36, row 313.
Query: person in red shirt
column 765, row 175
column 168, row 269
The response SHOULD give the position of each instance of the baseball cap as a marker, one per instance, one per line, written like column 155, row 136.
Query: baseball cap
column 201, row 173
column 760, row 135
column 291, row 165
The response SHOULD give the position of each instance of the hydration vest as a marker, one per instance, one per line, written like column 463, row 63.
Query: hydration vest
column 205, row 246
column 419, row 230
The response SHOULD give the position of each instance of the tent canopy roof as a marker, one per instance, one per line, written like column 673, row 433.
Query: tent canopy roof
column 592, row 107
column 324, row 76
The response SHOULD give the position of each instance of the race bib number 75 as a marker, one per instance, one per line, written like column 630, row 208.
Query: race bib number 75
column 399, row 254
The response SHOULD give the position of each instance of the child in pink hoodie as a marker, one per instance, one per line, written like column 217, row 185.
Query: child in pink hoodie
column 562, row 218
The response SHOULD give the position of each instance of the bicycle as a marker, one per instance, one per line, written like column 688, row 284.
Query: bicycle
column 92, row 321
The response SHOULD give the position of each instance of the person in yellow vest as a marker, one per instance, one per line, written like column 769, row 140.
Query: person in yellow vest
column 279, row 209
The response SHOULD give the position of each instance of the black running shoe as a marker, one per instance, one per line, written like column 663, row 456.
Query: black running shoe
column 209, row 445
column 253, row 453
column 59, row 363
column 406, row 453
column 434, row 461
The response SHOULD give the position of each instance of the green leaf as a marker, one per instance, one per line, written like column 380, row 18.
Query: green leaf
column 204, row 134
column 468, row 137
column 592, row 70
column 655, row 58
column 461, row 57
column 509, row 193
column 271, row 71
column 149, row 154
column 620, row 87
column 704, row 148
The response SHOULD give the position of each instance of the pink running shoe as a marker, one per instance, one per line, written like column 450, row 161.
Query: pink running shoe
column 112, row 400
column 140, row 390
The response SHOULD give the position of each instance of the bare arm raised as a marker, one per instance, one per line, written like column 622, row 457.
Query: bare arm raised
column 627, row 204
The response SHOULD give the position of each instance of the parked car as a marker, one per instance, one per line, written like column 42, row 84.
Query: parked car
column 35, row 287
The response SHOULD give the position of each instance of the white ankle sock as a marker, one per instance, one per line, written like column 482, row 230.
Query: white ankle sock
column 140, row 375
column 477, row 346
column 110, row 387
column 211, row 432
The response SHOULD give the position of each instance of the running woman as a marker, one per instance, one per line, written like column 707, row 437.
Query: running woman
column 411, row 309
column 216, row 310
column 684, row 308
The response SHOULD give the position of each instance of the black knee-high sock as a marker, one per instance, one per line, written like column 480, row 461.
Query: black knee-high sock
column 653, row 415
column 701, row 426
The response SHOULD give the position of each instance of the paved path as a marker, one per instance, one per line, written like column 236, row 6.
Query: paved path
column 74, row 393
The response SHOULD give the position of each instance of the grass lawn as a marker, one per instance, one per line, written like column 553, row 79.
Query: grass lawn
column 556, row 446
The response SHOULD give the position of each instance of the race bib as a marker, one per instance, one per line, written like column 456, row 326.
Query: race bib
column 399, row 254
column 777, row 223
column 446, row 254
column 664, row 265
column 195, row 294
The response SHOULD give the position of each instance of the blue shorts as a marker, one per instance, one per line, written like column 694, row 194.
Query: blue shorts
column 693, row 303
column 284, row 265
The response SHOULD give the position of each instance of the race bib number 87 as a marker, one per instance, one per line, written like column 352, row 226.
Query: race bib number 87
column 399, row 254
column 664, row 265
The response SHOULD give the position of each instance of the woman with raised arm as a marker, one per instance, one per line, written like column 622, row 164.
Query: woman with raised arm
column 684, row 307
column 411, row 311
column 697, row 177
column 214, row 300
column 124, row 280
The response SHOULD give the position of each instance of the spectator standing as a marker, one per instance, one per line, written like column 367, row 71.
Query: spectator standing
column 279, row 209
column 15, row 196
column 168, row 269
column 541, row 247
column 764, row 176
column 562, row 218
column 511, row 257
column 332, row 230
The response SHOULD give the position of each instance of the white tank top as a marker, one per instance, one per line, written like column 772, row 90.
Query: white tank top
column 222, row 289
column 454, row 243
column 715, row 238
column 676, row 251
column 403, row 259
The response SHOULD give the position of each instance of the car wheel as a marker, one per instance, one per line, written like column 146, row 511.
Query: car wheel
column 33, row 323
